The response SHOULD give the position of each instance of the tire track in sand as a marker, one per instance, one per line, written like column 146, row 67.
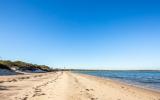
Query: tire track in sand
column 81, row 91
column 37, row 90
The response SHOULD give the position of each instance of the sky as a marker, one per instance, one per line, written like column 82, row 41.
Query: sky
column 89, row 34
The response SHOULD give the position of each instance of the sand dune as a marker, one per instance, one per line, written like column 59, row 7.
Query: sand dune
column 69, row 86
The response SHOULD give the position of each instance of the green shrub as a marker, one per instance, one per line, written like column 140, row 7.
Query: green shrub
column 20, row 65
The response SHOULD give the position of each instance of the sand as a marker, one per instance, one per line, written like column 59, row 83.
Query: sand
column 69, row 86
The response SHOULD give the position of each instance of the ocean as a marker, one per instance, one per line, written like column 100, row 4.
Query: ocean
column 145, row 79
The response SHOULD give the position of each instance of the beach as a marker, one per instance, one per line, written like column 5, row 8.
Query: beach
column 69, row 86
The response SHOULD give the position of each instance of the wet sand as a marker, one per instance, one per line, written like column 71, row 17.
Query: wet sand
column 69, row 86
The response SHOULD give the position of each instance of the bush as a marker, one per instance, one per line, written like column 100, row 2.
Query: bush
column 22, row 65
column 4, row 67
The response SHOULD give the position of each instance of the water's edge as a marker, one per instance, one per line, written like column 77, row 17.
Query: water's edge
column 149, row 80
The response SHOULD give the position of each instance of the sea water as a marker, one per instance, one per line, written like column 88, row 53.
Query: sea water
column 145, row 79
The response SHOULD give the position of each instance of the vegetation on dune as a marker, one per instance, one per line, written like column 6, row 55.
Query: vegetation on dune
column 2, row 66
column 23, row 66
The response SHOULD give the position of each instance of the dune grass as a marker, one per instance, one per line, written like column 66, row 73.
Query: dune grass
column 20, row 65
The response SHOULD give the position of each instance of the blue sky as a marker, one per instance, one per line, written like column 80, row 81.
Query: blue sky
column 98, row 34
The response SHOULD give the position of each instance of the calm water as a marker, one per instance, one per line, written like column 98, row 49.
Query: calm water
column 146, row 79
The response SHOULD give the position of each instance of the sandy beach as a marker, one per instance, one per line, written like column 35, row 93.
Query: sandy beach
column 69, row 86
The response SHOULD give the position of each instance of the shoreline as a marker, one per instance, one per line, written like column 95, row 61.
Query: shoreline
column 138, row 85
column 119, row 81
column 70, row 86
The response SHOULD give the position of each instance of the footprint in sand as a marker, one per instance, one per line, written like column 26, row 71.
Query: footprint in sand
column 89, row 89
column 94, row 98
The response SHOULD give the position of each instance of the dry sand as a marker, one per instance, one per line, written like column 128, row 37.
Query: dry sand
column 69, row 86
